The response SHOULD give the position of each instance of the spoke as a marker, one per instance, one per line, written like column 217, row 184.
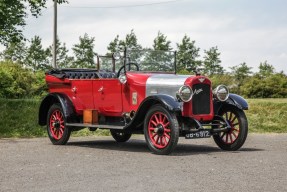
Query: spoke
column 62, row 126
column 157, row 140
column 165, row 125
column 230, row 116
column 151, row 128
column 157, row 121
column 160, row 117
column 162, row 141
column 222, row 135
column 167, row 130
column 234, row 118
column 231, row 140
column 226, row 138
column 235, row 124
column 235, row 130
column 166, row 135
column 61, row 131
column 154, row 136
column 54, row 117
column 234, row 135
column 154, row 123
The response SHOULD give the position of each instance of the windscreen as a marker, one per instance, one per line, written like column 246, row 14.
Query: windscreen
column 152, row 60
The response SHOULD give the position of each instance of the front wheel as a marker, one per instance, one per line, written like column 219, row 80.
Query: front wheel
column 120, row 136
column 236, row 136
column 161, row 130
column 58, row 132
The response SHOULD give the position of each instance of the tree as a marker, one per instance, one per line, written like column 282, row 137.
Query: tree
column 187, row 54
column 15, row 52
column 161, row 42
column 63, row 59
column 84, row 54
column 130, row 42
column 211, row 63
column 114, row 45
column 240, row 73
column 12, row 17
column 265, row 69
column 37, row 56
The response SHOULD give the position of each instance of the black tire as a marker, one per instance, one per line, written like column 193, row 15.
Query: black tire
column 120, row 136
column 235, row 138
column 161, row 130
column 58, row 132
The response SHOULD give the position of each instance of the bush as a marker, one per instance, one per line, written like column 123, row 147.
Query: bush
column 17, row 82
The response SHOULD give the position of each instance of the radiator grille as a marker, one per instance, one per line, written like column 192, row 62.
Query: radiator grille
column 201, row 101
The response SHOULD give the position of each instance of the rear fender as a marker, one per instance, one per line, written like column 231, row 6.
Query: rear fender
column 49, row 100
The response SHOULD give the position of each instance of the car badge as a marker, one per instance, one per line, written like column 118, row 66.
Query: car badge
column 201, row 79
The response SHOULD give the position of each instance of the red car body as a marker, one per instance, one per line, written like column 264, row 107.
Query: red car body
column 162, row 105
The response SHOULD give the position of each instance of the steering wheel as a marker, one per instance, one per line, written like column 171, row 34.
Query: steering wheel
column 131, row 63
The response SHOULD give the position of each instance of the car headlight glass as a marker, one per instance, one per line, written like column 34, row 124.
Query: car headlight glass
column 185, row 93
column 221, row 92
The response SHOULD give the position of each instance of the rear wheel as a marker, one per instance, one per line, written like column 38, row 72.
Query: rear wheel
column 120, row 136
column 58, row 132
column 236, row 136
column 161, row 130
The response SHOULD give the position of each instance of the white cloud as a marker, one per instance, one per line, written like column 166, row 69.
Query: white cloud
column 244, row 31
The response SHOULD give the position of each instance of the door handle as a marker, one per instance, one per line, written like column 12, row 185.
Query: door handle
column 101, row 89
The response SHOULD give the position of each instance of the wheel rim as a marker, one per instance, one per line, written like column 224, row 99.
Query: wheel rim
column 57, row 125
column 159, row 130
column 232, row 135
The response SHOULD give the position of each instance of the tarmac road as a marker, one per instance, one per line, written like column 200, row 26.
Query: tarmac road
column 101, row 164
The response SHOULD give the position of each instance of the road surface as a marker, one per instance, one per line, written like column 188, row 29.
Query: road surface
column 101, row 164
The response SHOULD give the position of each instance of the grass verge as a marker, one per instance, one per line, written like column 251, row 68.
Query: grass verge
column 18, row 118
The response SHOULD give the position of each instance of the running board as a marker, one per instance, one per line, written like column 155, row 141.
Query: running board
column 94, row 126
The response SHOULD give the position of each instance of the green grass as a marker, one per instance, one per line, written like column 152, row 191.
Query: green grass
column 267, row 115
column 18, row 118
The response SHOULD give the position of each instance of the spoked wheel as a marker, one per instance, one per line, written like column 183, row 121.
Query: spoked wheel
column 161, row 130
column 236, row 136
column 120, row 136
column 58, row 133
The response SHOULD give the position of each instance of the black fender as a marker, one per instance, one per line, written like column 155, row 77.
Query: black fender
column 233, row 100
column 167, row 101
column 52, row 98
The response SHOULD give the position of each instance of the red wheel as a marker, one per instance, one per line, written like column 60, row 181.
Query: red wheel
column 161, row 130
column 236, row 136
column 57, row 125
column 58, row 133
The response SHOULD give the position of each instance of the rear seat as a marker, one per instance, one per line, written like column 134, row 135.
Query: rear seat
column 107, row 74
column 81, row 74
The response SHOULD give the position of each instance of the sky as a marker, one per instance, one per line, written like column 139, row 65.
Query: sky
column 250, row 31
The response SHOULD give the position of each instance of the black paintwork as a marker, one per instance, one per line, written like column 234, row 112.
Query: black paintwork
column 234, row 100
column 166, row 101
column 63, row 100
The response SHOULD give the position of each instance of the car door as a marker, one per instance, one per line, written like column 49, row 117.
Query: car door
column 108, row 97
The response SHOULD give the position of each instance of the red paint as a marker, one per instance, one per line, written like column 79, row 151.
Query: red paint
column 111, row 98
column 231, row 136
column 57, row 124
column 159, row 130
column 187, row 107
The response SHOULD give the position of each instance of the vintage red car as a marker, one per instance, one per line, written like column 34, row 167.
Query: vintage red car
column 139, row 91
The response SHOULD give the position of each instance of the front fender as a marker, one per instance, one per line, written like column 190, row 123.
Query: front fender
column 166, row 101
column 49, row 100
column 234, row 100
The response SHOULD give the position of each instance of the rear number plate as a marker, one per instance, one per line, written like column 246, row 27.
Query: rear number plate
column 200, row 134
